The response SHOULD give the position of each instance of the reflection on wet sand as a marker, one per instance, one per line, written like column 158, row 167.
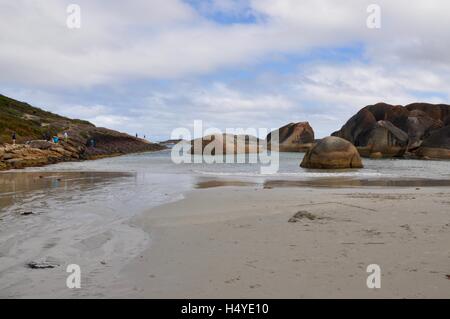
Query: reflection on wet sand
column 17, row 185
column 221, row 183
column 326, row 182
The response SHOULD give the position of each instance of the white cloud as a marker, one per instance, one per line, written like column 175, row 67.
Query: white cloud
column 171, row 40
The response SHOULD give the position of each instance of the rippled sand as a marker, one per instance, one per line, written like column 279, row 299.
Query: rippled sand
column 237, row 242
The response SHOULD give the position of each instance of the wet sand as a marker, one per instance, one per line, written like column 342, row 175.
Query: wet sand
column 61, row 218
column 237, row 242
column 14, row 186
column 335, row 182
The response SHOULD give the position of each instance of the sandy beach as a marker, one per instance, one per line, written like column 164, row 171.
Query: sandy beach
column 237, row 242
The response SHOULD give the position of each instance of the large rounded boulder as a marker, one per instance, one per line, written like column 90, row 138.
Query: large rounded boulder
column 332, row 153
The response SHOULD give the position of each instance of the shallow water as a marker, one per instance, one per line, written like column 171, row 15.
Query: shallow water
column 289, row 166
column 82, row 211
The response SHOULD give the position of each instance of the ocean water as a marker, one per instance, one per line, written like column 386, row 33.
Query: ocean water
column 145, row 164
column 151, row 179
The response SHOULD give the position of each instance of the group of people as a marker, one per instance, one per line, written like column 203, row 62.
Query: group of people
column 55, row 138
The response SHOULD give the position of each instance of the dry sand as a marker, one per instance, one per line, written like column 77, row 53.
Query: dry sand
column 236, row 242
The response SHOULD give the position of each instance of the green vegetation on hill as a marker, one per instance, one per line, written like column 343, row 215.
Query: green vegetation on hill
column 30, row 123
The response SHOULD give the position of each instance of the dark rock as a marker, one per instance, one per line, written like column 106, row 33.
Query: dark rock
column 419, row 123
column 40, row 144
column 395, row 130
column 301, row 215
column 436, row 145
column 293, row 137
column 8, row 156
column 384, row 138
column 41, row 265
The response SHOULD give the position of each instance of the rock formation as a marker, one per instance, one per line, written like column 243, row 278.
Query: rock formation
column 293, row 137
column 395, row 131
column 332, row 153
column 217, row 144
column 85, row 140
column 436, row 145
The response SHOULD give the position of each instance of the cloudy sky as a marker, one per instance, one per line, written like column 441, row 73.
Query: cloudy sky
column 153, row 65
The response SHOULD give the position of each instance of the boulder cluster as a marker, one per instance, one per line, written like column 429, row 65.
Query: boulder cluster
column 418, row 130
column 220, row 144
column 293, row 137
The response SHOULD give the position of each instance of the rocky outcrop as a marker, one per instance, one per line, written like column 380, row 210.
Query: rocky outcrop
column 171, row 143
column 436, row 145
column 332, row 153
column 394, row 131
column 31, row 125
column 217, row 144
column 41, row 152
column 293, row 137
column 21, row 155
column 386, row 139
column 100, row 142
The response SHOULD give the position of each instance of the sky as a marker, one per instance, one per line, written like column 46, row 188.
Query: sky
column 151, row 66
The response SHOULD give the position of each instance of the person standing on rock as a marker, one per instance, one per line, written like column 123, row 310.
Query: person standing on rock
column 14, row 138
column 46, row 136
column 66, row 137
